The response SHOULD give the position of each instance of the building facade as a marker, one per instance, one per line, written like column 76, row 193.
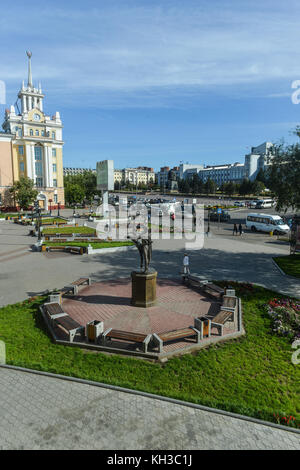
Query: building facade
column 257, row 160
column 69, row 171
column 32, row 146
column 140, row 175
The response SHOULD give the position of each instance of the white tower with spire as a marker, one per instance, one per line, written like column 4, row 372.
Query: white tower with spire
column 36, row 143
column 31, row 97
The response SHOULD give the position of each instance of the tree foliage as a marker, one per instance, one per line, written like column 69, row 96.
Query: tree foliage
column 284, row 175
column 23, row 192
column 80, row 187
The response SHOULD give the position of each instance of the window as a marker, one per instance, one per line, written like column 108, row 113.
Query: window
column 38, row 169
column 55, row 198
column 55, row 183
column 37, row 132
column 31, row 132
column 22, row 167
column 53, row 152
column 43, row 133
column 21, row 150
column 39, row 182
column 38, row 153
column 53, row 135
column 54, row 167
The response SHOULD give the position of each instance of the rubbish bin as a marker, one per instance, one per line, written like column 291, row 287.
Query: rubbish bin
column 94, row 330
column 205, row 327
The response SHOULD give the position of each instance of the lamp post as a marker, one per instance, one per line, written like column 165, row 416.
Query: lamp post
column 50, row 201
column 58, row 208
column 208, row 225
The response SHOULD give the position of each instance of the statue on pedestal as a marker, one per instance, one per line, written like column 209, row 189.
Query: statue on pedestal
column 144, row 247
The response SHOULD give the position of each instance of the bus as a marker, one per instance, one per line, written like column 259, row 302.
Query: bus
column 264, row 203
column 258, row 222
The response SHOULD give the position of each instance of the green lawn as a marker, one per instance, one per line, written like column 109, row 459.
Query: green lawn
column 69, row 230
column 289, row 264
column 53, row 220
column 100, row 244
column 253, row 375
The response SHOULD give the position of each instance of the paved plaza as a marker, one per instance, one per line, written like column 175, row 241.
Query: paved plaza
column 40, row 412
column 25, row 273
column 110, row 302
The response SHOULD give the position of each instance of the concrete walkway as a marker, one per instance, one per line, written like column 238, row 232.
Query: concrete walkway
column 40, row 412
column 25, row 273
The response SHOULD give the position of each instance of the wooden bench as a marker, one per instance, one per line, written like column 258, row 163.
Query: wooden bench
column 213, row 290
column 221, row 318
column 56, row 248
column 70, row 326
column 175, row 335
column 229, row 301
column 75, row 249
column 56, row 296
column 81, row 281
column 127, row 336
column 53, row 310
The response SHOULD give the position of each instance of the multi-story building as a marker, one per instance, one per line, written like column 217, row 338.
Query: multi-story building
column 68, row 171
column 236, row 172
column 32, row 146
column 223, row 173
column 258, row 159
column 163, row 175
column 136, row 176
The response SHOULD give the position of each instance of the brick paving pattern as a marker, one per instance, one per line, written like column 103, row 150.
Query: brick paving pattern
column 109, row 301
column 39, row 412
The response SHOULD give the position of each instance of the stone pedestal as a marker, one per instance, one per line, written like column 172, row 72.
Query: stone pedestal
column 143, row 289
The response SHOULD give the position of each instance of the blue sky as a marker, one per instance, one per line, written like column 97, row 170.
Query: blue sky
column 156, row 82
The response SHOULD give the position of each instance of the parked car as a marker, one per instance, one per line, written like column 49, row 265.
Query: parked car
column 239, row 204
column 223, row 216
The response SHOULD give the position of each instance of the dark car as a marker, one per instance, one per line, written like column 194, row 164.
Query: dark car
column 223, row 216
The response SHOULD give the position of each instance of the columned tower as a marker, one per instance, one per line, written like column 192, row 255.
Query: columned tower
column 36, row 144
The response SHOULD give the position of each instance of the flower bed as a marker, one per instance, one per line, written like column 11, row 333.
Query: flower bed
column 285, row 314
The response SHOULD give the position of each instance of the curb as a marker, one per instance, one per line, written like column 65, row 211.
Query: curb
column 282, row 272
column 155, row 397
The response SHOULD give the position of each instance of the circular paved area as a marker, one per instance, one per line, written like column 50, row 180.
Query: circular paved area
column 41, row 412
column 109, row 301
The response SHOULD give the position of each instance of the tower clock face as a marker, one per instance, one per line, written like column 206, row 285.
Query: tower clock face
column 36, row 117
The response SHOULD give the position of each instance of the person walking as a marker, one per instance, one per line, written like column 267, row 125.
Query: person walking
column 186, row 264
column 240, row 229
column 235, row 230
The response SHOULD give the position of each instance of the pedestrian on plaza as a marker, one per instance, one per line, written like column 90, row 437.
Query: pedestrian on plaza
column 235, row 230
column 186, row 264
column 240, row 229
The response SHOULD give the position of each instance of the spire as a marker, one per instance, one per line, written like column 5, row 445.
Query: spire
column 29, row 54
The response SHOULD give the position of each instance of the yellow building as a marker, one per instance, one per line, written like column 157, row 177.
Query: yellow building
column 31, row 145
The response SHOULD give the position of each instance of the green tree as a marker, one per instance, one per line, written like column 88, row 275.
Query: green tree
column 23, row 192
column 257, row 187
column 210, row 186
column 229, row 188
column 284, row 175
column 245, row 187
column 74, row 194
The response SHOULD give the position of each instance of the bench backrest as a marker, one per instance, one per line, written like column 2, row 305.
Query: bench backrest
column 127, row 335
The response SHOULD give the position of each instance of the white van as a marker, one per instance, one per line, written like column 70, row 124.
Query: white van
column 264, row 203
column 266, row 223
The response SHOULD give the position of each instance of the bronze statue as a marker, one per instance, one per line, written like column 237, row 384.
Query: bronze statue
column 145, row 250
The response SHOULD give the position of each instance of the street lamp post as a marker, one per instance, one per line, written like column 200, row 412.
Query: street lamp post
column 58, row 208
column 208, row 225
column 50, row 201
